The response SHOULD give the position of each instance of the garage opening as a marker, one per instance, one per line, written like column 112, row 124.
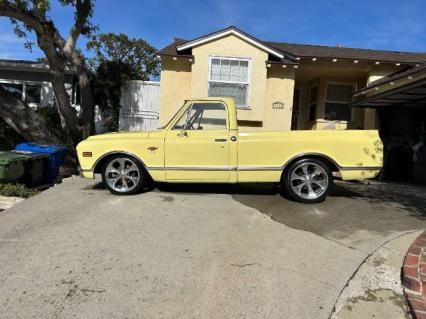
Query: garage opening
column 400, row 101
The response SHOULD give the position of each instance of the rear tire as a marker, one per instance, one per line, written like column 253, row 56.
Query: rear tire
column 307, row 181
column 124, row 175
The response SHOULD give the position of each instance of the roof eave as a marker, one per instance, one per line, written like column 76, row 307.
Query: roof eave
column 229, row 31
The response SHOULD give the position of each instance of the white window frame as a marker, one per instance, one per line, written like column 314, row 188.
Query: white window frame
column 248, row 83
column 327, row 83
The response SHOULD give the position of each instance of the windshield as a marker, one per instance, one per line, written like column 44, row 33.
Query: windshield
column 171, row 119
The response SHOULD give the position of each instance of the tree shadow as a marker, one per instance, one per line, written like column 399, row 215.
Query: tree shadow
column 408, row 196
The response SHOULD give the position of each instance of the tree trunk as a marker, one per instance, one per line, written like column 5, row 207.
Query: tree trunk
column 86, row 98
column 67, row 113
column 30, row 125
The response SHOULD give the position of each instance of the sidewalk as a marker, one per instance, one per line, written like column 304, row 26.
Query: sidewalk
column 375, row 290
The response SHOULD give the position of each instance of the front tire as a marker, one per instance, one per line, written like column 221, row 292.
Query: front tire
column 124, row 175
column 307, row 181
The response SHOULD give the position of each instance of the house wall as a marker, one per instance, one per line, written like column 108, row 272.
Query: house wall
column 232, row 46
column 181, row 80
column 175, row 86
column 380, row 71
column 279, row 88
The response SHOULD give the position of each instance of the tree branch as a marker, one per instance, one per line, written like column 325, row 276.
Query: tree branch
column 83, row 11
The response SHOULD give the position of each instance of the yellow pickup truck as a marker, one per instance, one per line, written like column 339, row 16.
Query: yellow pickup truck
column 202, row 144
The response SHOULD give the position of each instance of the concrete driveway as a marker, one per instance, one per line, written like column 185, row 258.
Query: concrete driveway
column 194, row 251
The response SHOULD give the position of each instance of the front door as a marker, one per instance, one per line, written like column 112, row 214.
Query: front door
column 197, row 147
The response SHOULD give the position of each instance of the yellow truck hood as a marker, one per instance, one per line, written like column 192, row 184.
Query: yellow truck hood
column 119, row 135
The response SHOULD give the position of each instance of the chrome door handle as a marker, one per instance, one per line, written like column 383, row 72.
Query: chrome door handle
column 220, row 140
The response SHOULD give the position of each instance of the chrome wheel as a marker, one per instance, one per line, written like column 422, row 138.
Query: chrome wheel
column 122, row 174
column 309, row 180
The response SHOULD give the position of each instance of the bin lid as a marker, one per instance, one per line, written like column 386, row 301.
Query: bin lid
column 7, row 157
column 31, row 155
column 40, row 148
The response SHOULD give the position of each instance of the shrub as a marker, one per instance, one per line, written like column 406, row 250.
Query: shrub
column 17, row 190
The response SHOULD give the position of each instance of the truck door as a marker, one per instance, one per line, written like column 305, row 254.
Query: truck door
column 197, row 146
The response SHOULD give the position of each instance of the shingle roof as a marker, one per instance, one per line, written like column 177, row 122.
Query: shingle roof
column 171, row 49
column 318, row 51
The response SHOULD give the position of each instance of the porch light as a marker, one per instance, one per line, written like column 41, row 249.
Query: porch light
column 356, row 61
column 159, row 57
column 268, row 65
column 392, row 83
column 398, row 64
column 314, row 59
column 410, row 77
column 284, row 66
column 417, row 64
column 376, row 88
column 297, row 58
column 334, row 60
column 174, row 58
column 190, row 59
column 296, row 66
column 377, row 63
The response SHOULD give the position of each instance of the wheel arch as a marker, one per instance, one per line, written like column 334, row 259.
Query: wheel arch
column 327, row 160
column 100, row 162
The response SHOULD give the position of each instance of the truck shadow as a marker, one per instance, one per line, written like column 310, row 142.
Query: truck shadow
column 227, row 189
column 380, row 208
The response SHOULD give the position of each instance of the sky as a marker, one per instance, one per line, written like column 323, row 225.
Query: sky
column 380, row 24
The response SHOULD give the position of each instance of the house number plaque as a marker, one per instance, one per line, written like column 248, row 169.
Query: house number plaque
column 277, row 105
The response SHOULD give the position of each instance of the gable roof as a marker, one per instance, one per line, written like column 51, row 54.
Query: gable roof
column 236, row 32
column 288, row 53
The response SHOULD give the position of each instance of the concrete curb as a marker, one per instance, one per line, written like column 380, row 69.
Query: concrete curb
column 414, row 277
column 7, row 202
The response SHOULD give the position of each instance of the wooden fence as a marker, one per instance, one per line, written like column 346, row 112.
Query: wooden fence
column 140, row 106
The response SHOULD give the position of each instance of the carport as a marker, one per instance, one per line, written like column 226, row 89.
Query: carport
column 400, row 101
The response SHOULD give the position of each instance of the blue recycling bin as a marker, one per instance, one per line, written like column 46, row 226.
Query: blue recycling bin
column 54, row 160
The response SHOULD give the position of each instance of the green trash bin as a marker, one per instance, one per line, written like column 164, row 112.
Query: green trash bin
column 12, row 167
column 34, row 167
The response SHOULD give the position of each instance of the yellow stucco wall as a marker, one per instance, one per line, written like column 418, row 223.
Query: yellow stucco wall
column 232, row 46
column 279, row 88
column 181, row 80
column 175, row 86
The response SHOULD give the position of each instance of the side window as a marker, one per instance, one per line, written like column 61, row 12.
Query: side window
column 203, row 116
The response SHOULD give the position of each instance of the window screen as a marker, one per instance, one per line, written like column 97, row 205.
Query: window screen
column 337, row 100
column 229, row 78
